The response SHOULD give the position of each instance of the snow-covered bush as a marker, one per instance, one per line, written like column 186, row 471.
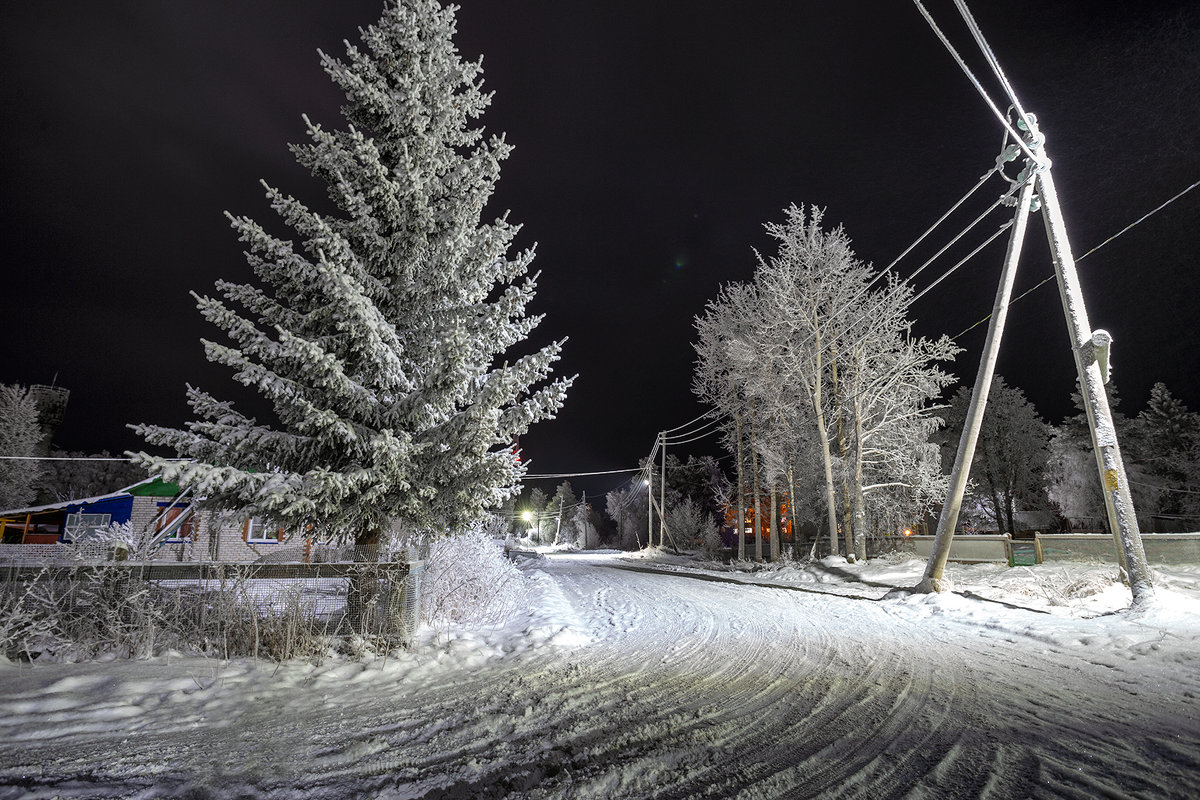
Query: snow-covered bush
column 468, row 580
column 690, row 525
column 104, row 610
column 118, row 540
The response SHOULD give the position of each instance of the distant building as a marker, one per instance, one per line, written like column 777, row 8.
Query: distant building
column 154, row 510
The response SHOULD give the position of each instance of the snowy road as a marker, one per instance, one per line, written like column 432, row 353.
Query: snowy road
column 664, row 686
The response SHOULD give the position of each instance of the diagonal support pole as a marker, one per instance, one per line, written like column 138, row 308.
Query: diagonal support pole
column 932, row 581
column 1118, row 503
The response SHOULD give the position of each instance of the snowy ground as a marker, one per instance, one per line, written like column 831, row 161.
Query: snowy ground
column 647, row 677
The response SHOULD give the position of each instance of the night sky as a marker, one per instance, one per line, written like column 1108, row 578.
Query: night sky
column 653, row 140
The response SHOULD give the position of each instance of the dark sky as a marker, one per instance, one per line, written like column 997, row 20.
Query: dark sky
column 653, row 141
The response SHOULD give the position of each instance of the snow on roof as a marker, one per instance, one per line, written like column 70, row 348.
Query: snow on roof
column 64, row 503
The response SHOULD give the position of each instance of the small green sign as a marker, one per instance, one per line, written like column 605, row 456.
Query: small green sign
column 1024, row 554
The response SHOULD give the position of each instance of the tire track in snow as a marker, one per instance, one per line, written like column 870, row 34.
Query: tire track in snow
column 689, row 688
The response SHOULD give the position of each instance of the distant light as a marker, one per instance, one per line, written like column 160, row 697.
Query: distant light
column 527, row 515
column 908, row 532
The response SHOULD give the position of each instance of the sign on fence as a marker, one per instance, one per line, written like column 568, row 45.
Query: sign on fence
column 1024, row 553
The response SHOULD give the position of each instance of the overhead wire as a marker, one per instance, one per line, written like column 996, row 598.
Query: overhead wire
column 942, row 218
column 659, row 440
column 1050, row 277
column 1164, row 488
column 993, row 62
column 694, row 438
column 964, row 260
column 846, row 329
column 688, row 423
column 547, row 476
column 989, row 56
column 708, row 425
column 978, row 86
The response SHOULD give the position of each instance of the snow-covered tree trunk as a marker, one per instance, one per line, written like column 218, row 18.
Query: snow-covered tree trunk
column 860, row 514
column 827, row 464
column 791, row 477
column 758, row 542
column 740, row 524
column 843, row 460
column 775, row 532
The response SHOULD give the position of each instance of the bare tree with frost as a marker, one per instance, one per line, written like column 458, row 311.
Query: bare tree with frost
column 823, row 370
column 810, row 286
column 726, row 336
column 378, row 333
column 888, row 383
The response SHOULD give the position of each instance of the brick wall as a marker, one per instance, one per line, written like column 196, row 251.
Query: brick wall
column 214, row 538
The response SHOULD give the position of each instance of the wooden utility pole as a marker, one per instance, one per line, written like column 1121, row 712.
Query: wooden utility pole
column 1090, row 350
column 932, row 580
column 662, row 502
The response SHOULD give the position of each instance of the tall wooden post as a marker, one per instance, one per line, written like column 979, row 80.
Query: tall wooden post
column 948, row 521
column 662, row 502
column 1086, row 345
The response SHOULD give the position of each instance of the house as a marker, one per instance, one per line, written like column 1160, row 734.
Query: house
column 64, row 522
column 156, row 510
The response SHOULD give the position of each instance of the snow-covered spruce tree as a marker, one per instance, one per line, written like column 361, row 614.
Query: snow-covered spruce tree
column 1010, row 460
column 1168, row 438
column 20, row 435
column 378, row 334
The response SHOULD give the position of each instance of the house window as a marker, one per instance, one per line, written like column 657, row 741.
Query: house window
column 187, row 530
column 256, row 530
column 81, row 526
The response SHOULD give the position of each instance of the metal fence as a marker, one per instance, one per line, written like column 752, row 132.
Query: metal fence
column 62, row 554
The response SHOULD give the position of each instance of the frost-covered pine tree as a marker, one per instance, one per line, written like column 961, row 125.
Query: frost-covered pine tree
column 1009, row 467
column 20, row 435
column 378, row 332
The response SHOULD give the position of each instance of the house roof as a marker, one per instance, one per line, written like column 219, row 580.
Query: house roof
column 153, row 487
column 150, row 487
column 63, row 504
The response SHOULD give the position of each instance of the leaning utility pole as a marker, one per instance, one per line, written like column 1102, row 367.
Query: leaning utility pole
column 948, row 520
column 1092, row 364
column 662, row 503
column 1090, row 350
column 650, row 500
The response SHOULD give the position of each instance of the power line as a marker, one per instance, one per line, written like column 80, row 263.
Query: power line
column 990, row 57
column 693, row 439
column 687, row 424
column 65, row 458
column 978, row 86
column 941, row 219
column 1164, row 488
column 964, row 260
column 674, row 439
column 547, row 476
column 1050, row 277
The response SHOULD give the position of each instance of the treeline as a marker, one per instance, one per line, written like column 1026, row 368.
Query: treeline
column 1028, row 474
